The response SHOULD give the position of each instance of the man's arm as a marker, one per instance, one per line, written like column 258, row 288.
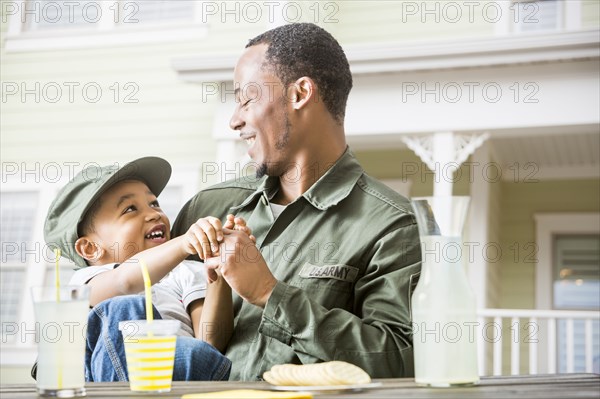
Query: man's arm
column 376, row 335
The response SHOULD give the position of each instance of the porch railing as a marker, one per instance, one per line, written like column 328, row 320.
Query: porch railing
column 535, row 332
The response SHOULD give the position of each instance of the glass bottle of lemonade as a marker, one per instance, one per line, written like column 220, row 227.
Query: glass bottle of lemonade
column 443, row 305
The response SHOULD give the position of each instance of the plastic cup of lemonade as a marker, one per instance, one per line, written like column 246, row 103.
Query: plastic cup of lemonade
column 150, row 353
column 61, row 316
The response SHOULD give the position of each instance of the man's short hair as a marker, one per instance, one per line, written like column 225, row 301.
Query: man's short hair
column 305, row 49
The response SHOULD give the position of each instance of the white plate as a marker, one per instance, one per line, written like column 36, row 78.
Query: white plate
column 325, row 388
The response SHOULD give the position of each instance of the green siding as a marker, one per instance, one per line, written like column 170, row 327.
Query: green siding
column 519, row 203
column 402, row 21
column 404, row 164
column 516, row 268
column 590, row 14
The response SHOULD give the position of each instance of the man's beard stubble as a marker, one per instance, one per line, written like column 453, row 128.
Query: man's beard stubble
column 276, row 168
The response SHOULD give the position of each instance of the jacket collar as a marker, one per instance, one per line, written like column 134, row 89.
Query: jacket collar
column 336, row 184
column 333, row 187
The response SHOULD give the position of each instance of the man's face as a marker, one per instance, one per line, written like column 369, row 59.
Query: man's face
column 129, row 220
column 261, row 114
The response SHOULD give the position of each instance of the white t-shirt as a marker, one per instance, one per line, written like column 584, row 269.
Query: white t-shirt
column 171, row 295
column 276, row 209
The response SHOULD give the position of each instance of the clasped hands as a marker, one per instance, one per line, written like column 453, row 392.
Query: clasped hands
column 230, row 250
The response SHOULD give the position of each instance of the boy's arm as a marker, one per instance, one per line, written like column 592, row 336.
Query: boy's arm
column 127, row 278
column 212, row 318
column 160, row 260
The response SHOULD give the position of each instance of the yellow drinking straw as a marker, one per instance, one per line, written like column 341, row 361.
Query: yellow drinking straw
column 57, row 285
column 147, row 291
column 57, row 274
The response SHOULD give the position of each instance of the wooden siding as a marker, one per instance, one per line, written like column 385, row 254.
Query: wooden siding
column 519, row 202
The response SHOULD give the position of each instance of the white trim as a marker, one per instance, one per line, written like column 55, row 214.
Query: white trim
column 435, row 55
column 572, row 13
column 477, row 228
column 548, row 225
column 102, row 38
column 540, row 338
column 504, row 26
column 14, row 21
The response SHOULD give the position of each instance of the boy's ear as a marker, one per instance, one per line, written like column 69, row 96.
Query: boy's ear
column 88, row 249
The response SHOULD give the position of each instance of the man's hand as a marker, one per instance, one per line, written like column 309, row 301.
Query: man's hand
column 243, row 267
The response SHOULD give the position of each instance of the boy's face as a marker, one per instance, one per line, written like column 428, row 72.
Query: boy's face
column 128, row 221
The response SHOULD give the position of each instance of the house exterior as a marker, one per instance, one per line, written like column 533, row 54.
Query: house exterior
column 498, row 100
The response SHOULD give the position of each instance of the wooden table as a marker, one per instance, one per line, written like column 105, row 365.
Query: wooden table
column 526, row 386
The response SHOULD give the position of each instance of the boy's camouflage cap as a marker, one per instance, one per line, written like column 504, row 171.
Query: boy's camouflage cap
column 75, row 199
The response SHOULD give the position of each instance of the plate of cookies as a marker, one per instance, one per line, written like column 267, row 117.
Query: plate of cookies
column 328, row 376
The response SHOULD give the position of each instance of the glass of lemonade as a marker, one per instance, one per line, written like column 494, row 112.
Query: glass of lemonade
column 61, row 317
column 150, row 353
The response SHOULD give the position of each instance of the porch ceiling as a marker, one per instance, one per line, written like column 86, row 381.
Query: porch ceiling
column 548, row 152
column 568, row 150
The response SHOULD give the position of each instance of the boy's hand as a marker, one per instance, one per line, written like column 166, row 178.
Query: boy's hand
column 203, row 237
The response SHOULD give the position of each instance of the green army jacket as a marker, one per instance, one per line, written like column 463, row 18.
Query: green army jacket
column 346, row 255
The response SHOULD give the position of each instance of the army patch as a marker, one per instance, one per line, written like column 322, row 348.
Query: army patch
column 338, row 272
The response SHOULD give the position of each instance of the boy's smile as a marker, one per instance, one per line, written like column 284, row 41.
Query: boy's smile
column 128, row 221
column 157, row 234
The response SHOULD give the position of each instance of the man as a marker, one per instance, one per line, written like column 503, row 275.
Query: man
column 336, row 251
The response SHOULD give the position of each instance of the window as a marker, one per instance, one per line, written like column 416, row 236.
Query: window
column 50, row 24
column 43, row 15
column 577, row 286
column 535, row 16
column 17, row 214
column 567, row 275
column 91, row 14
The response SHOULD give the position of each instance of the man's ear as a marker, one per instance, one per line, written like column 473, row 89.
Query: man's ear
column 301, row 92
column 88, row 249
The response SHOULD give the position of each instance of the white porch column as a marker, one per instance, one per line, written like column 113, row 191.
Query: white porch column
column 443, row 153
column 478, row 229
column 443, row 163
column 231, row 156
column 231, row 159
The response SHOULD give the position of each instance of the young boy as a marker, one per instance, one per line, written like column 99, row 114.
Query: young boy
column 106, row 220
